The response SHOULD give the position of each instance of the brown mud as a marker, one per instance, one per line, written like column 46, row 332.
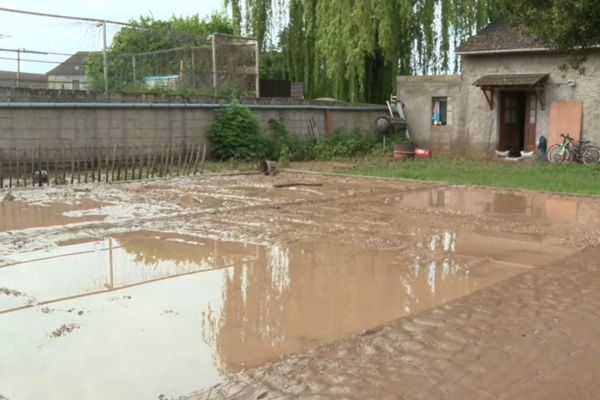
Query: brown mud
column 359, row 288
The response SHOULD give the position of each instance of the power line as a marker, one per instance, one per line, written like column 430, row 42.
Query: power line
column 48, row 53
column 40, row 14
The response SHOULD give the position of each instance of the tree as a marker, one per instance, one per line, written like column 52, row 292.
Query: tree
column 559, row 24
column 353, row 49
column 149, row 35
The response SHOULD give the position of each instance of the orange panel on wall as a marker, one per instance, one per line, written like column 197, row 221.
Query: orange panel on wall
column 565, row 117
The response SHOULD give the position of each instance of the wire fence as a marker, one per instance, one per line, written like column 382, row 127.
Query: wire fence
column 37, row 166
column 226, row 65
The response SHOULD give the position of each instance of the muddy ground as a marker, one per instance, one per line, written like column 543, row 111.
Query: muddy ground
column 227, row 287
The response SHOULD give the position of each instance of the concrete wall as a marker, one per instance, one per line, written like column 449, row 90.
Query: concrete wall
column 476, row 128
column 417, row 93
column 65, row 82
column 73, row 118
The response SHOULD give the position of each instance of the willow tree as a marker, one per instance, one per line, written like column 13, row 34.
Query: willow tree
column 353, row 49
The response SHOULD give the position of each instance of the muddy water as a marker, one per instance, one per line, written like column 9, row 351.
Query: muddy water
column 18, row 215
column 143, row 314
column 479, row 201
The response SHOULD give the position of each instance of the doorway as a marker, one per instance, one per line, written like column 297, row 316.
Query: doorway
column 518, row 114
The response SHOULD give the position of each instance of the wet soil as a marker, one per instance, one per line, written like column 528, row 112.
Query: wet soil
column 360, row 288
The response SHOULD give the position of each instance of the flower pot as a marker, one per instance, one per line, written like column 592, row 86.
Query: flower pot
column 404, row 151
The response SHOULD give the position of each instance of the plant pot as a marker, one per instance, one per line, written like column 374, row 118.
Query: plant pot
column 404, row 151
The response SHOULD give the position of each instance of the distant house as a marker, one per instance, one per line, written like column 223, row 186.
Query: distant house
column 510, row 92
column 23, row 80
column 70, row 75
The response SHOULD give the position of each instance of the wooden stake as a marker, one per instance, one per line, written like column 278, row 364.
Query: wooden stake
column 63, row 167
column 85, row 164
column 197, row 159
column 72, row 165
column 99, row 174
column 181, row 149
column 140, row 161
column 112, row 168
column 48, row 164
column 162, row 160
column 32, row 166
column 203, row 159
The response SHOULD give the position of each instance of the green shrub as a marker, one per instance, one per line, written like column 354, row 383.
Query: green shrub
column 236, row 135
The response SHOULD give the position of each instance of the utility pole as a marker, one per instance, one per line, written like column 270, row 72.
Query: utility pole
column 214, row 62
column 104, row 54
column 257, row 55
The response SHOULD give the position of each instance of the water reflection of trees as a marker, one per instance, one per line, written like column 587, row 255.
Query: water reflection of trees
column 288, row 300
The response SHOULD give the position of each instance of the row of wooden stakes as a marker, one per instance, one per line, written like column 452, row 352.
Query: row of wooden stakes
column 52, row 166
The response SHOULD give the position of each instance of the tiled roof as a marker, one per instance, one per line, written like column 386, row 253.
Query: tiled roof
column 24, row 76
column 511, row 80
column 500, row 37
column 74, row 65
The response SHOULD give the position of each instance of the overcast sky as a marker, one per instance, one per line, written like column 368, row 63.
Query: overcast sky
column 62, row 36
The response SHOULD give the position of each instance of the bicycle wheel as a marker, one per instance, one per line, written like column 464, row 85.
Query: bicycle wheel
column 590, row 155
column 558, row 154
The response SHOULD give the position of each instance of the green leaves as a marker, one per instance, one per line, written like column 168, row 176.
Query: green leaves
column 236, row 134
column 353, row 49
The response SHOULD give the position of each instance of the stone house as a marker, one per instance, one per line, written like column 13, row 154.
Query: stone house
column 70, row 75
column 510, row 92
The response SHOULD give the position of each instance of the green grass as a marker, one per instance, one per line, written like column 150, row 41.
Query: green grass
column 563, row 178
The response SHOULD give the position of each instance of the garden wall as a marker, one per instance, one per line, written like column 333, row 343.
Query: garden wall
column 55, row 118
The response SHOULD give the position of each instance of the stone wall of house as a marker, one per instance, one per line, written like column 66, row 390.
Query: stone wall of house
column 417, row 94
column 482, row 123
column 475, row 128
column 72, row 118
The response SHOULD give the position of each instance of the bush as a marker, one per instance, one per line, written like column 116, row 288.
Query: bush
column 339, row 145
column 236, row 135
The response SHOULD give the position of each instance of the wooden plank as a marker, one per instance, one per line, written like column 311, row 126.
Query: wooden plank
column 565, row 117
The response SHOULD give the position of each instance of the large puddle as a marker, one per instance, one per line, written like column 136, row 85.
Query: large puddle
column 479, row 201
column 143, row 314
column 17, row 215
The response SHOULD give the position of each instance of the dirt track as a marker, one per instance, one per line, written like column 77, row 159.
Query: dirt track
column 532, row 334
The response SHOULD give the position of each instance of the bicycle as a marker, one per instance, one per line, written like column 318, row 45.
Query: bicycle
column 569, row 151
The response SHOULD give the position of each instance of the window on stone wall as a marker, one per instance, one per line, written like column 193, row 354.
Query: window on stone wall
column 439, row 111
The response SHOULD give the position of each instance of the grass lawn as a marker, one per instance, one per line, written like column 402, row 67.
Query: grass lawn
column 561, row 178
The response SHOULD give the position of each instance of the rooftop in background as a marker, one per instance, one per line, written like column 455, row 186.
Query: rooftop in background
column 24, row 76
column 500, row 37
column 74, row 65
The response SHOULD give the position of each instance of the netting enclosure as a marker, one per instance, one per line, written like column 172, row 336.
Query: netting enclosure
column 225, row 65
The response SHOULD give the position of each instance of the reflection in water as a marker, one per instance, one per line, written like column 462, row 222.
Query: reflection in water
column 482, row 201
column 204, row 308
